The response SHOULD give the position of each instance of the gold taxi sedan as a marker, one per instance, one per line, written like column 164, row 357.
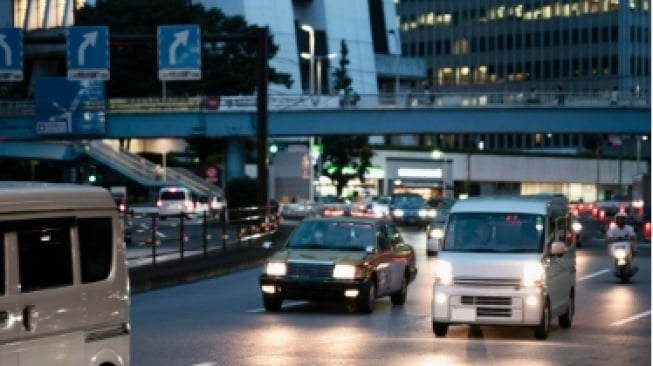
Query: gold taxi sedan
column 347, row 259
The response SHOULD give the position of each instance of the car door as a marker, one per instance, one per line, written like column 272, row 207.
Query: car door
column 384, row 260
column 9, row 327
column 50, row 304
column 559, row 269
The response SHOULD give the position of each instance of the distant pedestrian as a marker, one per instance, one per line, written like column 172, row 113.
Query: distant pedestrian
column 614, row 96
column 341, row 97
column 561, row 96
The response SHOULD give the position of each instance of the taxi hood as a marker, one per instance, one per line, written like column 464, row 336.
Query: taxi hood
column 319, row 255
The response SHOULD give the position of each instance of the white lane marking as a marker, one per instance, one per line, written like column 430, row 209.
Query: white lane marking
column 630, row 319
column 285, row 305
column 206, row 364
column 591, row 275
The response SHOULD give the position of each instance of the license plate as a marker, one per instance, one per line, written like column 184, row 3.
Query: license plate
column 463, row 314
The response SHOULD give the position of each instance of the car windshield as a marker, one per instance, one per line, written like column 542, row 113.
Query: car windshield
column 494, row 232
column 408, row 200
column 335, row 235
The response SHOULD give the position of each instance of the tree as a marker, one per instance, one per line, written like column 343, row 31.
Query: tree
column 228, row 68
column 345, row 158
column 340, row 75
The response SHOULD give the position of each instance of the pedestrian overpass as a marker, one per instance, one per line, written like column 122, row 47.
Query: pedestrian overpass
column 235, row 118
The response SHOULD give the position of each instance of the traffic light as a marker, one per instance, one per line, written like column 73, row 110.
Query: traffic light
column 92, row 174
column 273, row 148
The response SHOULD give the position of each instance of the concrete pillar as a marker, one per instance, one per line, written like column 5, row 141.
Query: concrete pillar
column 235, row 158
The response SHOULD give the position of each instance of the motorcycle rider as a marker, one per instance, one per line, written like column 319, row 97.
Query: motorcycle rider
column 620, row 230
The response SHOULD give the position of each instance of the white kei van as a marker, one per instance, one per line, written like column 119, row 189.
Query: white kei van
column 64, row 289
column 174, row 201
column 505, row 261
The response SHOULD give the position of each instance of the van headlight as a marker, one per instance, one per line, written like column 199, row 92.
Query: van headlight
column 426, row 213
column 398, row 213
column 443, row 273
column 345, row 271
column 576, row 226
column 533, row 274
column 275, row 268
column 436, row 233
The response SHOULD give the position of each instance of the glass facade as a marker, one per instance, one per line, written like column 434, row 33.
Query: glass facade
column 44, row 14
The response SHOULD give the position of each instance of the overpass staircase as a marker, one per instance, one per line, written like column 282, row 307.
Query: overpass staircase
column 145, row 172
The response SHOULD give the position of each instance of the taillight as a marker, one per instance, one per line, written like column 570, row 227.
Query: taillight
column 647, row 229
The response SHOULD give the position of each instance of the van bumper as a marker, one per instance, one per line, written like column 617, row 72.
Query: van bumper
column 491, row 306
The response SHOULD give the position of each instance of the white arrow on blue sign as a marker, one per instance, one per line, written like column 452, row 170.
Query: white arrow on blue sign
column 179, row 52
column 11, row 54
column 87, row 52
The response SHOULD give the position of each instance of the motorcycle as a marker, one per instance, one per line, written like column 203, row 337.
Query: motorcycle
column 622, row 257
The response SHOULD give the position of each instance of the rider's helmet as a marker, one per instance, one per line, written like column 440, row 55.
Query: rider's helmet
column 620, row 218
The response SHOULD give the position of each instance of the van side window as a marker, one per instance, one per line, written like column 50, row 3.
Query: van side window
column 44, row 254
column 95, row 238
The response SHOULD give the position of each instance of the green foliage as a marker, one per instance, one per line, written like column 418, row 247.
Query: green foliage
column 228, row 68
column 340, row 75
column 342, row 152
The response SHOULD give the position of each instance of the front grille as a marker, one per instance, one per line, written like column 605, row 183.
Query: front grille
column 486, row 300
column 310, row 270
column 494, row 313
column 487, row 282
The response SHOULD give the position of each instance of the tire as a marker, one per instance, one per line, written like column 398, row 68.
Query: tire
column 272, row 303
column 368, row 299
column 399, row 297
column 542, row 330
column 565, row 320
column 440, row 329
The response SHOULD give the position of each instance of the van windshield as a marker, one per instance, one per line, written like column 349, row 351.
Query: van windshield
column 494, row 232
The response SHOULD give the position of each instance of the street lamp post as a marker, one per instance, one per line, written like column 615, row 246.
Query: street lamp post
column 311, row 52
column 319, row 70
column 396, row 65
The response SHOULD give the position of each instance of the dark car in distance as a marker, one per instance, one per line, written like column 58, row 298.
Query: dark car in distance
column 410, row 209
column 348, row 259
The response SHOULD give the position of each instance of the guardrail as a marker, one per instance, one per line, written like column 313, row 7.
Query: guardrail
column 404, row 100
column 236, row 229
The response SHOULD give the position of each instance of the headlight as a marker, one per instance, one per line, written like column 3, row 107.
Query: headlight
column 443, row 273
column 576, row 226
column 426, row 213
column 620, row 253
column 344, row 271
column 533, row 273
column 275, row 268
column 398, row 213
column 436, row 233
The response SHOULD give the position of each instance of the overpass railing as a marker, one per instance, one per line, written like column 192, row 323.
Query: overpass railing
column 217, row 104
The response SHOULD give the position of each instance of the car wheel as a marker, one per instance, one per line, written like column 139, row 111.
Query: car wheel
column 567, row 318
column 272, row 303
column 542, row 330
column 399, row 297
column 440, row 329
column 368, row 298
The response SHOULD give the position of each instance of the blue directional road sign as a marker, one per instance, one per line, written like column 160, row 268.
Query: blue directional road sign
column 69, row 107
column 179, row 49
column 11, row 54
column 87, row 52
